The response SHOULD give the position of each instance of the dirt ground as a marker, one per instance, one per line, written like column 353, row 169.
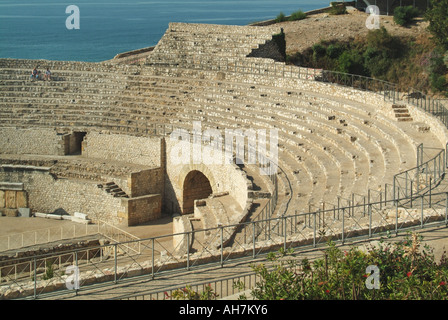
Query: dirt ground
column 16, row 225
column 303, row 34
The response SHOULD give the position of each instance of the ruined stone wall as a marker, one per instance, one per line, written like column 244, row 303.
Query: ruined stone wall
column 66, row 196
column 142, row 209
column 11, row 201
column 31, row 141
column 146, row 182
column 137, row 150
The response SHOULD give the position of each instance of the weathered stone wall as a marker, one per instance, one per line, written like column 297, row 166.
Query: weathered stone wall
column 47, row 195
column 146, row 182
column 222, row 177
column 136, row 150
column 142, row 209
column 11, row 201
column 31, row 141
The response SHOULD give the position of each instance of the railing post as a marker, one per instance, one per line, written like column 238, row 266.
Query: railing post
column 421, row 222
column 35, row 278
column 314, row 230
column 430, row 191
column 370, row 220
column 115, row 263
column 188, row 251
column 446, row 209
column 222, row 246
column 253, row 238
column 343, row 224
column 396, row 217
column 152, row 263
column 285, row 231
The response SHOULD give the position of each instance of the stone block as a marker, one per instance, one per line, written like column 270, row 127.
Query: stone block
column 2, row 199
column 24, row 212
column 80, row 215
column 11, row 212
column 10, row 197
column 21, row 199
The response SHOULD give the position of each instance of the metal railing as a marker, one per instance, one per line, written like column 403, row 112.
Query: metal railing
column 114, row 262
column 224, row 287
column 117, row 235
column 43, row 236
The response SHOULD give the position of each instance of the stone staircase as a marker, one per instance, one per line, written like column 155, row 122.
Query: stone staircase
column 114, row 190
column 402, row 113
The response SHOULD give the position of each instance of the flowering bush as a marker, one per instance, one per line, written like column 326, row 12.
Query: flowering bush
column 188, row 293
column 405, row 272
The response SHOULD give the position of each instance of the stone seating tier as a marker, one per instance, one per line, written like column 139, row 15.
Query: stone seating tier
column 334, row 165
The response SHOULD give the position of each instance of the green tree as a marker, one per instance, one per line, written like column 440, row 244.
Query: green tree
column 405, row 15
column 437, row 15
column 351, row 62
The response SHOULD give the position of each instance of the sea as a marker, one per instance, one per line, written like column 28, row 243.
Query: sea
column 49, row 29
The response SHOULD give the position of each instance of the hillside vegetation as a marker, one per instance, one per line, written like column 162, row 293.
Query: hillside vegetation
column 417, row 60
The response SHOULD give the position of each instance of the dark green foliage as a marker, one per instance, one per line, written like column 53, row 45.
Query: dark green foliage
column 381, row 50
column 405, row 15
column 437, row 16
column 334, row 51
column 297, row 15
column 280, row 40
column 351, row 62
column 280, row 18
column 337, row 9
column 438, row 82
column 318, row 51
column 438, row 70
column 406, row 272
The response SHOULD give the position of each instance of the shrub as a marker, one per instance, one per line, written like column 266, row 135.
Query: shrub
column 334, row 51
column 297, row 15
column 319, row 50
column 280, row 18
column 437, row 15
column 406, row 272
column 376, row 62
column 189, row 294
column 351, row 62
column 404, row 15
column 337, row 9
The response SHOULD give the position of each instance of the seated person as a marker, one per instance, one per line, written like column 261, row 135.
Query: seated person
column 47, row 75
column 35, row 73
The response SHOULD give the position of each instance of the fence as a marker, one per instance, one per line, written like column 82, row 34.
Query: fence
column 225, row 287
column 42, row 236
column 114, row 262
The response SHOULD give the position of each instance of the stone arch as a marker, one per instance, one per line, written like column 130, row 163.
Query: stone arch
column 196, row 186
column 195, row 182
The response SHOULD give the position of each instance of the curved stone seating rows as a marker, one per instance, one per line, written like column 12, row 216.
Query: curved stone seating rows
column 319, row 171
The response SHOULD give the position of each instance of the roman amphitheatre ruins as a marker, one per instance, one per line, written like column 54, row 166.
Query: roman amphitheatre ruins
column 99, row 139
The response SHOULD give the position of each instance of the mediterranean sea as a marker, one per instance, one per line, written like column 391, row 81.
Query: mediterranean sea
column 36, row 29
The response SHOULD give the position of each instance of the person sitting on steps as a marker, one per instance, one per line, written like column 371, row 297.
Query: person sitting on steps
column 47, row 75
column 34, row 74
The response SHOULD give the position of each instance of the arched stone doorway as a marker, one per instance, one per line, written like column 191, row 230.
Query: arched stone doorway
column 196, row 186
